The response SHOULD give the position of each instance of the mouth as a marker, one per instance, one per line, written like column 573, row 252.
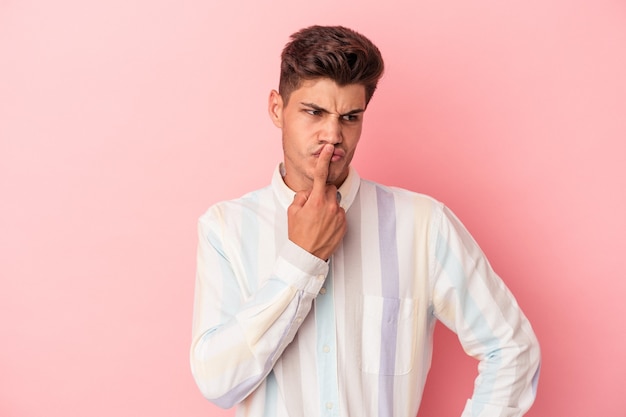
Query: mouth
column 338, row 154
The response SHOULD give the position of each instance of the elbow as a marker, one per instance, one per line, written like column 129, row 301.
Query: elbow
column 535, row 366
column 224, row 389
column 216, row 395
column 530, row 367
column 213, row 389
column 224, row 401
column 533, row 352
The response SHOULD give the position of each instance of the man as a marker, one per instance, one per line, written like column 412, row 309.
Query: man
column 318, row 294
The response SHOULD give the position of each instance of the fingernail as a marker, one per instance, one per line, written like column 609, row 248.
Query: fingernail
column 338, row 197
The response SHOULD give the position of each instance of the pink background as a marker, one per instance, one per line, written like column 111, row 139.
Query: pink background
column 122, row 121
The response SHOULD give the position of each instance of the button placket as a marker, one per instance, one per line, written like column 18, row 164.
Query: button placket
column 326, row 348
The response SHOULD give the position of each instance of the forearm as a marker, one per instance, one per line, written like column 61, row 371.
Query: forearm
column 235, row 347
column 230, row 360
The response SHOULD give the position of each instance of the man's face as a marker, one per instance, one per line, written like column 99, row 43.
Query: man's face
column 319, row 112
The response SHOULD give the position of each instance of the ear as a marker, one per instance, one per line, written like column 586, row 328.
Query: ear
column 275, row 108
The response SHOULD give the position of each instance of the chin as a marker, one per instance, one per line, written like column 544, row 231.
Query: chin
column 337, row 175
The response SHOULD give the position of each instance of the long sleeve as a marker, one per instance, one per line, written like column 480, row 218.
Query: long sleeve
column 470, row 299
column 245, row 315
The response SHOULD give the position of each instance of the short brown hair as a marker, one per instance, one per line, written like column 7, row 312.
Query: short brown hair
column 334, row 52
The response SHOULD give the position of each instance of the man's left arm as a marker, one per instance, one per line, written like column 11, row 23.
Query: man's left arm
column 470, row 299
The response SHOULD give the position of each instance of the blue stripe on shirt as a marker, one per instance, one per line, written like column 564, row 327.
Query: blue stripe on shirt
column 480, row 328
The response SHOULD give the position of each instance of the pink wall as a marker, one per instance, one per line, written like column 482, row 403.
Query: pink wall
column 122, row 121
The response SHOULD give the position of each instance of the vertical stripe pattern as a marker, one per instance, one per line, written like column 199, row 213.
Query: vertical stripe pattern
column 391, row 306
column 283, row 333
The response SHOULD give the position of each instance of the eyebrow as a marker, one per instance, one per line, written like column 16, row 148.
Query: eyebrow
column 318, row 108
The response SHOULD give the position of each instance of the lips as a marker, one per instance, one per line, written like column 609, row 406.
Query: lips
column 338, row 153
column 337, row 156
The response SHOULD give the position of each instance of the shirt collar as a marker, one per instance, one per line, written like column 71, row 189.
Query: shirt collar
column 348, row 189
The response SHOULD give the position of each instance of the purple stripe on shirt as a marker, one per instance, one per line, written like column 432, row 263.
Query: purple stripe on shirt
column 390, row 281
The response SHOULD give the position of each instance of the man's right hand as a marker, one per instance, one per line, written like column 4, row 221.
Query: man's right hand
column 316, row 222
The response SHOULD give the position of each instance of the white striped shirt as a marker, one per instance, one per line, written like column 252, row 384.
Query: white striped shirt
column 283, row 333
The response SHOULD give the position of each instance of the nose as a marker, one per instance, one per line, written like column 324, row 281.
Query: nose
column 331, row 131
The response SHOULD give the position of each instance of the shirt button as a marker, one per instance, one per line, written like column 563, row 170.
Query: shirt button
column 329, row 405
column 321, row 277
column 323, row 291
column 326, row 349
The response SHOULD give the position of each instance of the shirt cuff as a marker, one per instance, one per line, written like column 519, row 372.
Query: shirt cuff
column 300, row 269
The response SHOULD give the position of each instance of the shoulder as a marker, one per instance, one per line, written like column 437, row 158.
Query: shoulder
column 250, row 202
column 401, row 197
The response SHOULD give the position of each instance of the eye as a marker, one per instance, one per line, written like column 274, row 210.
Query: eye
column 313, row 112
column 350, row 117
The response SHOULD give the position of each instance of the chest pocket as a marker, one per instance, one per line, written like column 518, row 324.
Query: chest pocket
column 388, row 335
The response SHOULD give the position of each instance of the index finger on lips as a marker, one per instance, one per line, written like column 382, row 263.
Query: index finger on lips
column 321, row 169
